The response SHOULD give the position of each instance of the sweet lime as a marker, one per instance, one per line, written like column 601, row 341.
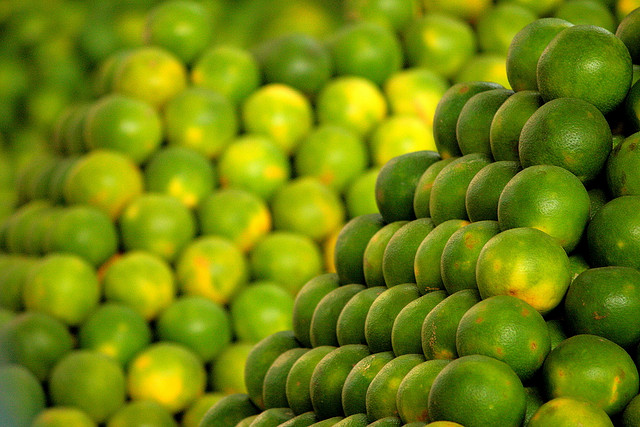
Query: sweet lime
column 167, row 373
column 199, row 324
column 140, row 280
column 212, row 267
column 90, row 381
column 200, row 119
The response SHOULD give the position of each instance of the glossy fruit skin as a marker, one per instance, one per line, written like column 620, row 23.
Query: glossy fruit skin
column 591, row 368
column 561, row 73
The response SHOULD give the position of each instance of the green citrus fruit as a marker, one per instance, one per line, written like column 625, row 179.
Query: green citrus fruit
column 351, row 319
column 90, row 381
column 157, row 223
column 585, row 62
column 261, row 309
column 477, row 390
column 334, row 155
column 180, row 172
column 587, row 12
column 600, row 301
column 548, row 137
column 427, row 262
column 621, row 168
column 142, row 411
column 469, row 11
column 239, row 215
column 407, row 326
column 229, row 70
column 484, row 67
column 212, row 267
column 438, row 333
column 422, row 194
column 297, row 388
column 563, row 411
column 61, row 416
column 21, row 395
column 508, row 329
column 525, row 50
column 254, row 163
column 227, row 372
column 398, row 135
column 548, row 198
column 275, row 380
column 351, row 244
column 439, row 41
column 448, row 193
column 627, row 32
column 378, row 325
column 526, row 263
column 36, row 341
column 393, row 14
column 200, row 119
column 397, row 182
column 140, row 280
column 85, row 231
column 115, row 330
column 360, row 195
column 280, row 112
column 352, row 102
column 508, row 121
column 298, row 60
column 416, row 384
column 63, row 286
column 610, row 239
column 382, row 392
column 167, row 373
column 460, row 255
column 400, row 251
column 260, row 359
column 104, row 179
column 474, row 122
column 326, row 314
column 415, row 91
column 126, row 125
column 150, row 73
column 182, row 27
column 306, row 301
column 199, row 324
column 373, row 256
column 497, row 27
column 484, row 190
column 307, row 206
column 593, row 369
column 194, row 414
column 229, row 410
column 329, row 376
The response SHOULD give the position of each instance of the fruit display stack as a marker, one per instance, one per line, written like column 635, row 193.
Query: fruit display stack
column 498, row 283
column 259, row 213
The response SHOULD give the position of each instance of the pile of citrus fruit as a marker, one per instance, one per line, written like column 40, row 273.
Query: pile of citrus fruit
column 498, row 284
column 396, row 215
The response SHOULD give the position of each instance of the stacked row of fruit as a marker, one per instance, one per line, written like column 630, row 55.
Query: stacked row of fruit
column 143, row 231
column 499, row 283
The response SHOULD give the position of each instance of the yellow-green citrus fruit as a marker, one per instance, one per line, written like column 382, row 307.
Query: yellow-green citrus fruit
column 439, row 41
column 115, row 330
column 200, row 119
column 526, row 263
column 140, row 280
column 563, row 411
column 180, row 172
column 352, row 102
column 90, row 381
column 182, row 27
column 161, row 364
column 622, row 168
column 150, row 73
column 228, row 70
column 212, row 267
column 280, row 112
column 548, row 198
